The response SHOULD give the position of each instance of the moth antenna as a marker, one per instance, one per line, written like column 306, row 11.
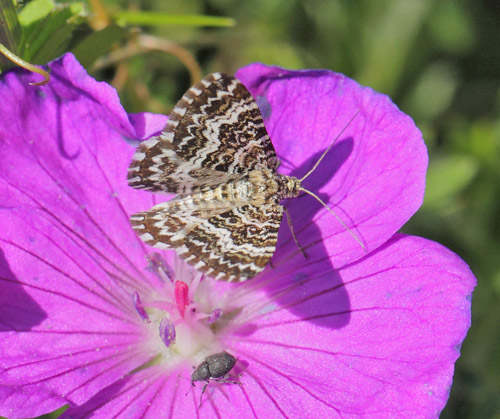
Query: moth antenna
column 335, row 215
column 329, row 147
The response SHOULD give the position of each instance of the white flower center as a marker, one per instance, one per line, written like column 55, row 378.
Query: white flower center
column 184, row 316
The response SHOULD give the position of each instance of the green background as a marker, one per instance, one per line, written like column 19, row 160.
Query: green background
column 439, row 60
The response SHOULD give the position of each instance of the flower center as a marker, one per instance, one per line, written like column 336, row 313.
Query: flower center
column 184, row 315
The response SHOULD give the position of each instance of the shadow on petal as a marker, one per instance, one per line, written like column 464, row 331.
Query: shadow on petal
column 18, row 311
column 310, row 287
column 325, row 171
column 61, row 135
column 314, row 293
column 258, row 86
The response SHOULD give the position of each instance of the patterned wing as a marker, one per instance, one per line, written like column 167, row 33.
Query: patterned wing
column 231, row 245
column 214, row 134
column 165, row 225
column 235, row 245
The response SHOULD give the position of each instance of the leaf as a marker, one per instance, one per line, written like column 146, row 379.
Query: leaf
column 433, row 93
column 35, row 11
column 47, row 38
column 447, row 177
column 10, row 30
column 127, row 17
column 97, row 44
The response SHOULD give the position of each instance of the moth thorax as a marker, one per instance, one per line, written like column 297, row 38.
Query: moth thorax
column 288, row 186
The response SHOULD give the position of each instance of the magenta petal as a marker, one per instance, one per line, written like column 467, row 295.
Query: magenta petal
column 376, row 338
column 160, row 393
column 381, row 341
column 149, row 393
column 374, row 176
column 147, row 124
column 69, row 259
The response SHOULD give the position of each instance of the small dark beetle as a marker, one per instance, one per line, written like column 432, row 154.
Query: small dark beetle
column 214, row 366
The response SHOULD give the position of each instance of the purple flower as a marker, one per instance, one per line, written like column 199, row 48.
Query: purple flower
column 93, row 318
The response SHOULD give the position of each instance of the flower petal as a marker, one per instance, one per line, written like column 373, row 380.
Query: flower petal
column 146, row 393
column 69, row 260
column 157, row 393
column 374, row 176
column 379, row 338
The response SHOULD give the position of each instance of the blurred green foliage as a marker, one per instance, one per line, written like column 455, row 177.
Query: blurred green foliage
column 438, row 60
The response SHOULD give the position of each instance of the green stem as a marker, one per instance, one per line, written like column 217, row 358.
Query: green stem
column 24, row 64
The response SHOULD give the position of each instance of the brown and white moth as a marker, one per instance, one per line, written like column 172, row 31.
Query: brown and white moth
column 216, row 155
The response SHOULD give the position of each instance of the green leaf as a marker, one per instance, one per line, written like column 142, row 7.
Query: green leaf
column 97, row 44
column 452, row 27
column 47, row 38
column 447, row 177
column 126, row 17
column 389, row 42
column 433, row 92
column 10, row 30
column 35, row 11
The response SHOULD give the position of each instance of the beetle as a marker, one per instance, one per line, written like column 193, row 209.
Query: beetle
column 213, row 367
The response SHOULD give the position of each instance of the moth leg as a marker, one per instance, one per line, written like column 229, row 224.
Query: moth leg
column 290, row 225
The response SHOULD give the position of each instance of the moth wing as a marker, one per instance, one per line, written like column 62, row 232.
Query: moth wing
column 165, row 225
column 235, row 245
column 214, row 133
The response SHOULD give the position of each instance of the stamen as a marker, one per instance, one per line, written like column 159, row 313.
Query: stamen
column 136, row 299
column 167, row 332
column 214, row 316
column 158, row 265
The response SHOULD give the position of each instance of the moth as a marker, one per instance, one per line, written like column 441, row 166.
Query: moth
column 216, row 155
